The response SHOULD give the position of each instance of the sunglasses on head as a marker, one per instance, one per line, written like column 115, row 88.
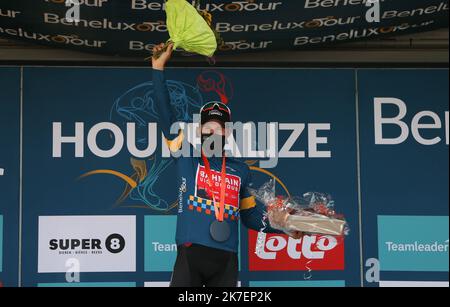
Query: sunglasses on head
column 212, row 105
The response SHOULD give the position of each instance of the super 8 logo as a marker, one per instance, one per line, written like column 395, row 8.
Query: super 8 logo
column 282, row 253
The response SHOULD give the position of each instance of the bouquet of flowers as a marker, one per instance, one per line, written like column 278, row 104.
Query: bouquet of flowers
column 190, row 29
column 311, row 214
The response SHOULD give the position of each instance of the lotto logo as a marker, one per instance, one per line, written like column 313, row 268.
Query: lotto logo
column 282, row 253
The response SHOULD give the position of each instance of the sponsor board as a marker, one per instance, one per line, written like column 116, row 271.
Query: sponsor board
column 9, row 13
column 232, row 6
column 309, row 131
column 413, row 243
column 298, row 283
column 414, row 284
column 89, row 284
column 87, row 3
column 404, row 132
column 280, row 23
column 160, row 247
column 57, row 39
column 95, row 243
column 282, row 253
column 323, row 95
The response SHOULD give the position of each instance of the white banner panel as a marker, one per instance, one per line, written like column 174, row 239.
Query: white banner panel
column 417, row 284
column 87, row 244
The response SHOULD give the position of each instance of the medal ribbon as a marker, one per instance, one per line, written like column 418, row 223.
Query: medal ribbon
column 219, row 208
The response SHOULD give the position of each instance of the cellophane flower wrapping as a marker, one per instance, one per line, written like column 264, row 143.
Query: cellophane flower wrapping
column 313, row 213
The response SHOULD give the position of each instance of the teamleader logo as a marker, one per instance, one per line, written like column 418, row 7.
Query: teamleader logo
column 417, row 247
column 114, row 244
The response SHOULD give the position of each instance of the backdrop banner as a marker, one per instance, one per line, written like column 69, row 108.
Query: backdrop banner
column 9, row 175
column 81, row 101
column 132, row 27
column 404, row 161
column 98, row 211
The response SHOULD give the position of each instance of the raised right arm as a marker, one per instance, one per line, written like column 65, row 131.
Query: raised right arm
column 162, row 105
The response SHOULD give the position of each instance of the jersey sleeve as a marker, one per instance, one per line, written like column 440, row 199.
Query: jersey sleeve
column 165, row 111
column 251, row 211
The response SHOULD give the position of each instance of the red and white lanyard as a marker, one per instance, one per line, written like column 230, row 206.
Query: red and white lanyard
column 219, row 208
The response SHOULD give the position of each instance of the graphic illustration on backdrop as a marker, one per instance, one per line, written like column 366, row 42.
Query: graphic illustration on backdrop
column 137, row 106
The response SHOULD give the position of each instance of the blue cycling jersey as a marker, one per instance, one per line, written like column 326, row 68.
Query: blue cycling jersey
column 195, row 207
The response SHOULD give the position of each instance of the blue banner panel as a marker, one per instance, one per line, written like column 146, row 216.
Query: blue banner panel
column 404, row 134
column 73, row 116
column 9, row 175
column 303, row 284
column 133, row 27
column 397, row 252
column 90, row 285
column 160, row 248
